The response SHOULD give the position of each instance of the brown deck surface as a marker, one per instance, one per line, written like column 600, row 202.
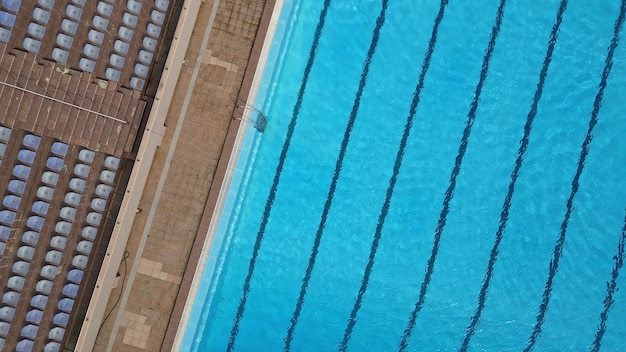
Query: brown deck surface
column 185, row 177
column 59, row 102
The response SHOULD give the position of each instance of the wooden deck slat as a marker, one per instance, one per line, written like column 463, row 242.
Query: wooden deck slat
column 90, row 120
column 110, row 126
column 53, row 89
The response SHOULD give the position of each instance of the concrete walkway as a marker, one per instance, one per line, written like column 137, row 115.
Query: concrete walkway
column 183, row 178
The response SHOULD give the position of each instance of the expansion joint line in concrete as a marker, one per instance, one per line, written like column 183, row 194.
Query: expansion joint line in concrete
column 62, row 102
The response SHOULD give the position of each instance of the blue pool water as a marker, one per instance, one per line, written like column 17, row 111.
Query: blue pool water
column 434, row 176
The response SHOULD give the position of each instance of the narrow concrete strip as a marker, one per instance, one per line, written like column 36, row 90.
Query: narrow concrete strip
column 152, row 138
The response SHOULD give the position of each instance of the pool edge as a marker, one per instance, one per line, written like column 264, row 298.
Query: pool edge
column 229, row 156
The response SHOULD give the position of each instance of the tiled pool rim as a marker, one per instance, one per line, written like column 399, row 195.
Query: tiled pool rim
column 245, row 144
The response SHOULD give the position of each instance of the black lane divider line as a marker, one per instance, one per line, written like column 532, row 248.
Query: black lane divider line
column 504, row 215
column 558, row 249
column 611, row 287
column 471, row 117
column 281, row 161
column 397, row 164
column 333, row 184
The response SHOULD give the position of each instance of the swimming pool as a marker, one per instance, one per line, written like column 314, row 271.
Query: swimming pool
column 434, row 176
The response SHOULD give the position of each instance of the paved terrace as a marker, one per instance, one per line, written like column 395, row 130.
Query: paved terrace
column 179, row 170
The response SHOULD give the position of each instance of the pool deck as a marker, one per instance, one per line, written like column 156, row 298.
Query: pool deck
column 170, row 222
